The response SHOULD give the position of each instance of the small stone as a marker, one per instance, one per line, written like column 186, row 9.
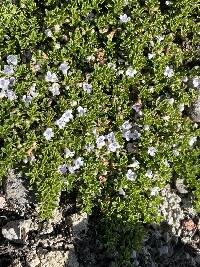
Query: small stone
column 2, row 202
column 163, row 250
column 189, row 225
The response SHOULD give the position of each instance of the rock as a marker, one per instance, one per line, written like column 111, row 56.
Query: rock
column 18, row 230
column 2, row 202
column 32, row 259
column 163, row 250
column 17, row 194
column 79, row 224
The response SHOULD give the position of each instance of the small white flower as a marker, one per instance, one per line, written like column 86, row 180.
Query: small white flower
column 130, row 72
column 150, row 55
column 87, row 87
column 166, row 163
column 48, row 32
column 32, row 91
column 195, row 82
column 170, row 101
column 122, row 192
column 27, row 99
column 124, row 18
column 64, row 67
column 168, row 72
column 100, row 141
column 181, row 107
column 130, row 175
column 149, row 174
column 57, row 46
column 192, row 140
column 8, row 70
column 126, row 125
column 168, row 3
column 152, row 151
column 48, row 134
column 160, row 38
column 185, row 79
column 11, row 95
column 89, row 147
column 135, row 165
column 51, row 77
column 2, row 93
column 155, row 191
column 71, row 169
column 69, row 153
column 176, row 152
column 113, row 146
column 112, row 66
column 62, row 168
column 82, row 111
column 12, row 59
column 54, row 89
column 146, row 127
column 57, row 28
column 166, row 118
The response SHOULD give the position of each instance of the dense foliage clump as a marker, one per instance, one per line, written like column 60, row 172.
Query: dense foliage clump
column 93, row 98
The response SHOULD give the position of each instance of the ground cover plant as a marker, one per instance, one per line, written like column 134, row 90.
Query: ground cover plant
column 93, row 98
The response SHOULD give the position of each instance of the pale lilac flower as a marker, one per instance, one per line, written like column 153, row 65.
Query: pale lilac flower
column 155, row 191
column 110, row 137
column 168, row 72
column 126, row 125
column 152, row 151
column 130, row 72
column 69, row 153
column 78, row 163
column 67, row 115
column 64, row 67
column 87, row 88
column 11, row 95
column 100, row 141
column 71, row 169
column 121, row 192
column 82, row 111
column 195, row 82
column 137, row 107
column 27, row 99
column 113, row 146
column 12, row 59
column 127, row 135
column 192, row 140
column 62, row 168
column 4, row 83
column 124, row 18
column 60, row 123
column 48, row 32
column 130, row 175
column 51, row 77
column 8, row 70
column 149, row 174
column 48, row 134
column 135, row 135
column 54, row 89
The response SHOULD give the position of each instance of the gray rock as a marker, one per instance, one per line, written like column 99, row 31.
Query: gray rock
column 194, row 110
column 17, row 194
column 18, row 230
